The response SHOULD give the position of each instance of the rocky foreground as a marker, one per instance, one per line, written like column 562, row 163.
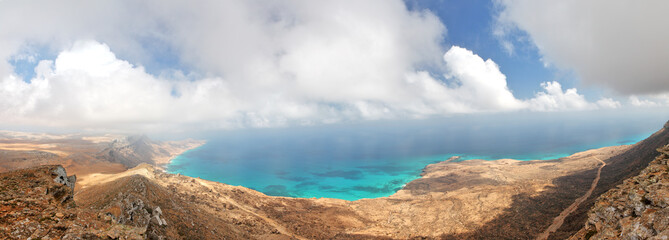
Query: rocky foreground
column 38, row 203
column 503, row 199
column 637, row 209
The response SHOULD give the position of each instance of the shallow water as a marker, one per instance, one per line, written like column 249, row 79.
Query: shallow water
column 376, row 159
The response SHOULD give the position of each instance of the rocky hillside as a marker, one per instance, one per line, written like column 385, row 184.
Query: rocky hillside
column 38, row 203
column 86, row 154
column 145, row 203
column 134, row 150
column 619, row 167
column 636, row 209
column 474, row 199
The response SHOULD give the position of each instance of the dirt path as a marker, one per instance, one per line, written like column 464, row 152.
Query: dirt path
column 243, row 207
column 557, row 221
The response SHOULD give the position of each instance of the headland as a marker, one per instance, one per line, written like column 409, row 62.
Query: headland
column 470, row 199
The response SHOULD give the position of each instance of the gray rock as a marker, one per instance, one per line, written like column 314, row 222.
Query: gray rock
column 62, row 178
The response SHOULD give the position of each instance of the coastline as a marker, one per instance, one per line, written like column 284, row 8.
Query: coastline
column 455, row 167
column 382, row 173
column 468, row 199
column 190, row 144
column 451, row 199
column 426, row 172
column 440, row 169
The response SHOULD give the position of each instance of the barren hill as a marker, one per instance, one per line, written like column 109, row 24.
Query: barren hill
column 86, row 155
column 475, row 199
column 134, row 150
column 636, row 209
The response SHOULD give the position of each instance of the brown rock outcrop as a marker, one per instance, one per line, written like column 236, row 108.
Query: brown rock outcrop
column 37, row 203
column 636, row 209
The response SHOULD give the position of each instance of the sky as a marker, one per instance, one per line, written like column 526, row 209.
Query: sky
column 156, row 66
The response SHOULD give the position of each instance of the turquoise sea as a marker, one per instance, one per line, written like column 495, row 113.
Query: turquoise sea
column 375, row 159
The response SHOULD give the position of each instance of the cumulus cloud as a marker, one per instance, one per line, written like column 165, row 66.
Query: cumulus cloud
column 253, row 65
column 553, row 98
column 87, row 85
column 621, row 45
column 657, row 100
column 608, row 103
column 84, row 84
column 479, row 82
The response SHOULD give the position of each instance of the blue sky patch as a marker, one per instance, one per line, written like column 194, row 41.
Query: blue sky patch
column 27, row 58
column 470, row 25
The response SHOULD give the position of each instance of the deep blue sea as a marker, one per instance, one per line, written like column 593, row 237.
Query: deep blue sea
column 375, row 159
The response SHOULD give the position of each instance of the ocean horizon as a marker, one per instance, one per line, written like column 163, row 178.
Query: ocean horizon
column 374, row 160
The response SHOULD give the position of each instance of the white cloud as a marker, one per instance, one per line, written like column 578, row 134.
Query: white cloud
column 479, row 83
column 657, row 100
column 258, row 64
column 635, row 101
column 553, row 99
column 621, row 44
column 88, row 86
column 608, row 103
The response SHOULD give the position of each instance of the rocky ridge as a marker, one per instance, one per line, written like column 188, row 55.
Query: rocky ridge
column 636, row 209
column 134, row 150
column 38, row 203
column 475, row 199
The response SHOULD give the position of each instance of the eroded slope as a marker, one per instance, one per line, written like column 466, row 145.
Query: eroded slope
column 636, row 209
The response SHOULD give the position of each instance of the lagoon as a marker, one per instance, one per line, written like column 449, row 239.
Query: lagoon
column 375, row 159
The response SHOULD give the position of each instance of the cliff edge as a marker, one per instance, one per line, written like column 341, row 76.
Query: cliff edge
column 636, row 209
